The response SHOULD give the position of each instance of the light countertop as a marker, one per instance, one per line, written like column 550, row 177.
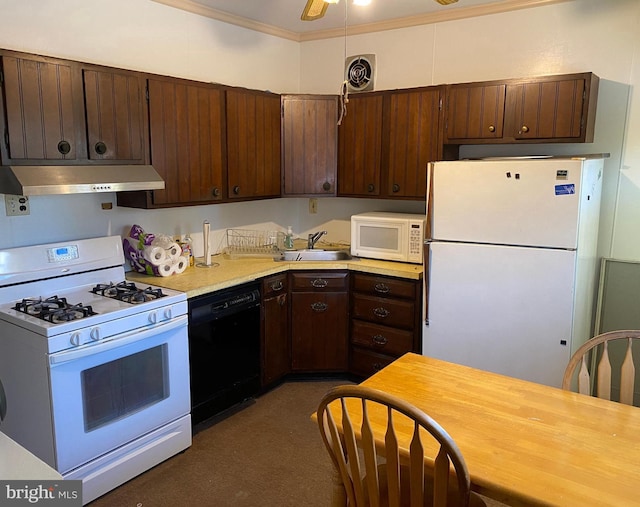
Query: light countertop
column 196, row 281
column 19, row 464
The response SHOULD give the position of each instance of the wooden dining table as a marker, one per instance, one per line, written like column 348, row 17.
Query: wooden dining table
column 525, row 443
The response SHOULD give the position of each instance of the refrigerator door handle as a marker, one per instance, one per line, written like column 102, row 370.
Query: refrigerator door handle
column 426, row 277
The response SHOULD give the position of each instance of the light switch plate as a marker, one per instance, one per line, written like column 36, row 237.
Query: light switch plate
column 16, row 205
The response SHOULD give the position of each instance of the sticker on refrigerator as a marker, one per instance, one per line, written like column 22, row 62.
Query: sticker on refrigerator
column 562, row 174
column 568, row 189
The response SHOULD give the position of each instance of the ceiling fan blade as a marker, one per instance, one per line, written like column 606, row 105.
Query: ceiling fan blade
column 446, row 2
column 314, row 9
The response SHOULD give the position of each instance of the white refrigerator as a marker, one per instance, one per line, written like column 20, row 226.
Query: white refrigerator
column 510, row 263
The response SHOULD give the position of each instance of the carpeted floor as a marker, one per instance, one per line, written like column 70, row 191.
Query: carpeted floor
column 268, row 454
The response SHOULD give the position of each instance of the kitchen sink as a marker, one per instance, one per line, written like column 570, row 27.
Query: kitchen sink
column 315, row 254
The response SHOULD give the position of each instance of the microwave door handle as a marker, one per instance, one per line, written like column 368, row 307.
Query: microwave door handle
column 123, row 339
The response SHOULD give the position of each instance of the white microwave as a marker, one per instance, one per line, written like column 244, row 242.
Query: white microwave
column 388, row 236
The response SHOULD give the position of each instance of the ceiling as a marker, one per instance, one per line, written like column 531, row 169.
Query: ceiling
column 282, row 17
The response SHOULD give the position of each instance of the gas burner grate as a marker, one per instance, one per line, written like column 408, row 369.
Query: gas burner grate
column 128, row 292
column 54, row 309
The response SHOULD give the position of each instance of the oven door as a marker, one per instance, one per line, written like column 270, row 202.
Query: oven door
column 111, row 393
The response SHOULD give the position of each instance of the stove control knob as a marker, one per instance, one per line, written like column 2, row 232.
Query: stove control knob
column 75, row 339
column 95, row 334
column 167, row 314
column 153, row 317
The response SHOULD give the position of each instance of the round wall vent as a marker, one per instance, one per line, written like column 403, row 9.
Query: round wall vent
column 359, row 72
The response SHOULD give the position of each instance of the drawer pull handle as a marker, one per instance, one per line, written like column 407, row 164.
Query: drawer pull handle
column 381, row 312
column 319, row 307
column 277, row 285
column 377, row 366
column 378, row 339
column 319, row 283
column 382, row 288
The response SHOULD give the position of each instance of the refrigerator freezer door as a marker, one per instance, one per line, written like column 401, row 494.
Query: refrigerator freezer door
column 512, row 202
column 503, row 309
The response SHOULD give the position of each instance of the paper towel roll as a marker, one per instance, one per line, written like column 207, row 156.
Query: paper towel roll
column 180, row 264
column 167, row 268
column 172, row 249
column 154, row 254
column 207, row 247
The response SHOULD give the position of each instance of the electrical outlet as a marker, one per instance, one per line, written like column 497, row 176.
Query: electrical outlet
column 313, row 205
column 16, row 205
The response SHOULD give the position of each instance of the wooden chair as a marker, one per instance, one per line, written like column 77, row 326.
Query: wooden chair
column 597, row 350
column 374, row 474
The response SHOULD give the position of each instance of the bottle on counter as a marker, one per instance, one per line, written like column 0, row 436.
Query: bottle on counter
column 187, row 249
column 288, row 239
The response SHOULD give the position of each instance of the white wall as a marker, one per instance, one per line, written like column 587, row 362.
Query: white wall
column 582, row 35
column 578, row 36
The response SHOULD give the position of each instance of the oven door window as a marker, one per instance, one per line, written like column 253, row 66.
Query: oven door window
column 123, row 386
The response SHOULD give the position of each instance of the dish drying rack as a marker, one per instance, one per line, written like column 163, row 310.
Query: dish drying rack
column 254, row 243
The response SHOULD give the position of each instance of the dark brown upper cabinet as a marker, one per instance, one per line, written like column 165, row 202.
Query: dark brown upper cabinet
column 43, row 121
column 309, row 145
column 475, row 111
column 187, row 131
column 548, row 109
column 253, row 144
column 64, row 111
column 116, row 121
column 360, row 146
column 386, row 141
column 414, row 140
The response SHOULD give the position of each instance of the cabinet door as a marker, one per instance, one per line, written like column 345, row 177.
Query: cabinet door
column 253, row 144
column 360, row 147
column 309, row 144
column 276, row 358
column 40, row 111
column 115, row 107
column 319, row 331
column 475, row 111
column 414, row 141
column 548, row 109
column 187, row 141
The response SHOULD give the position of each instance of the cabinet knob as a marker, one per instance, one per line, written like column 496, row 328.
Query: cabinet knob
column 492, row 128
column 396, row 187
column 377, row 366
column 371, row 187
column 381, row 312
column 383, row 288
column 100, row 148
column 326, row 186
column 319, row 283
column 319, row 306
column 236, row 190
column 524, row 129
column 64, row 147
column 378, row 339
column 215, row 192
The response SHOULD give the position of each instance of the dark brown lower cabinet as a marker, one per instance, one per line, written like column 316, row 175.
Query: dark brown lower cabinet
column 276, row 354
column 319, row 321
column 385, row 321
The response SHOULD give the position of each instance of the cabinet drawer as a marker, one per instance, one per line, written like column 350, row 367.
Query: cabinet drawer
column 383, row 339
column 329, row 281
column 384, row 287
column 365, row 362
column 389, row 312
column 274, row 286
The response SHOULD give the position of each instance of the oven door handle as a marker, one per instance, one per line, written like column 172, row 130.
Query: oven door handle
column 124, row 339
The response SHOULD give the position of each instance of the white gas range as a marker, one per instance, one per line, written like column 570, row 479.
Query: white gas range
column 94, row 369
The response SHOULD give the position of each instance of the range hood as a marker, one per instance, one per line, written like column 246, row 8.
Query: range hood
column 77, row 179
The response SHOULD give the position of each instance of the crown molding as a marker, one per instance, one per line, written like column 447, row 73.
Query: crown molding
column 393, row 24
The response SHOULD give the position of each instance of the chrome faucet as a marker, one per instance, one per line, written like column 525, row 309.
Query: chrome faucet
column 313, row 239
